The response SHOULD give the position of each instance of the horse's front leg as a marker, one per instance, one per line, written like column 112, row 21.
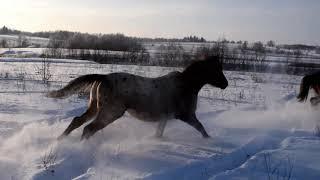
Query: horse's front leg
column 160, row 128
column 315, row 100
column 194, row 122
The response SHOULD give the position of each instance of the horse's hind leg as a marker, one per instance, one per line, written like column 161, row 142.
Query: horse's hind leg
column 89, row 114
column 107, row 115
column 315, row 100
column 194, row 122
column 78, row 121
column 160, row 128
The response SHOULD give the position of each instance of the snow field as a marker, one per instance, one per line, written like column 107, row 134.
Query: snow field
column 254, row 121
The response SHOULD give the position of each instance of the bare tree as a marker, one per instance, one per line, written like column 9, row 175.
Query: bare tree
column 220, row 48
column 297, row 54
column 259, row 51
column 170, row 53
column 54, row 47
column 244, row 55
column 4, row 43
column 44, row 70
column 318, row 50
column 271, row 43
column 202, row 51
column 234, row 55
column 174, row 52
column 22, row 41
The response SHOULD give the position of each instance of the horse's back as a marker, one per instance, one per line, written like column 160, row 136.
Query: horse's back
column 152, row 96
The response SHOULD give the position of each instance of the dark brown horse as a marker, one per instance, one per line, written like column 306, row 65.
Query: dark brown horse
column 173, row 96
column 311, row 81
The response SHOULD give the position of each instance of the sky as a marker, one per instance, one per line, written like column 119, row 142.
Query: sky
column 284, row 21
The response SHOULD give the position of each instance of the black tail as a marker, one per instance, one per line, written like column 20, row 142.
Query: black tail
column 82, row 83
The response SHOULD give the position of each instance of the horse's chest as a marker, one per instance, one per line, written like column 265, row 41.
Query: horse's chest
column 316, row 88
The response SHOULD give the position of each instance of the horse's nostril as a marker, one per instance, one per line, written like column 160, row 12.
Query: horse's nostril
column 224, row 86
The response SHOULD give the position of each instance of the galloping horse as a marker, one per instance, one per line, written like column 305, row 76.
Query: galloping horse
column 311, row 81
column 173, row 96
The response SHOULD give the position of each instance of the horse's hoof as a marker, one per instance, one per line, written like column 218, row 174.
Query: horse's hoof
column 158, row 136
column 62, row 136
column 85, row 136
column 314, row 101
column 207, row 137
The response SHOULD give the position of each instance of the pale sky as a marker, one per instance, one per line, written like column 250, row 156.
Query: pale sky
column 285, row 21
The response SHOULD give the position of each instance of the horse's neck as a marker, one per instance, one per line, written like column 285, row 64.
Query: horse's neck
column 193, row 84
column 193, row 79
column 316, row 88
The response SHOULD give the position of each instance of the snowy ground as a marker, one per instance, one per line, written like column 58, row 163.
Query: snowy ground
column 258, row 130
column 13, row 40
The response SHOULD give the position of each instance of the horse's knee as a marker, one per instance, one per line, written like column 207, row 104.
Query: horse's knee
column 76, row 121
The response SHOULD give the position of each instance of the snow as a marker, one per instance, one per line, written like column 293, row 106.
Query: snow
column 13, row 39
column 296, row 158
column 254, row 122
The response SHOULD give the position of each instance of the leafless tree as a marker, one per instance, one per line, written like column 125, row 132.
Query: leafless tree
column 220, row 48
column 318, row 50
column 44, row 69
column 244, row 55
column 22, row 41
column 170, row 52
column 4, row 43
column 259, row 51
column 54, row 47
column 297, row 55
column 271, row 43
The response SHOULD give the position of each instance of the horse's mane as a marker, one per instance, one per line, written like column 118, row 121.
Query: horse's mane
column 306, row 83
column 304, row 88
column 200, row 65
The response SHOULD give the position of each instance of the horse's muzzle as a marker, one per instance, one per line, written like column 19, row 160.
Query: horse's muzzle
column 225, row 85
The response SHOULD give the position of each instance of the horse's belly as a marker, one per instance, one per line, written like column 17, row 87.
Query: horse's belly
column 148, row 116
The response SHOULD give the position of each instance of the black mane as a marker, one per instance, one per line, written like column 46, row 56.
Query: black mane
column 306, row 83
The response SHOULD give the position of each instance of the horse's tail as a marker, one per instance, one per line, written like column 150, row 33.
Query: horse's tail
column 304, row 89
column 80, row 84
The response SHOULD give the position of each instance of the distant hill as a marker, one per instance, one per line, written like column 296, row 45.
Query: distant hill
column 67, row 34
column 299, row 46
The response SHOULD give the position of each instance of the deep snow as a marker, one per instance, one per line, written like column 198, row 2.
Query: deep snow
column 254, row 122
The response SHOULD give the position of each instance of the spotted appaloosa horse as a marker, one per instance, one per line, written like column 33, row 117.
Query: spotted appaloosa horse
column 173, row 96
column 311, row 81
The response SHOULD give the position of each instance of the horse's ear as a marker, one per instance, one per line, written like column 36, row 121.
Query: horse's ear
column 202, row 57
column 216, row 60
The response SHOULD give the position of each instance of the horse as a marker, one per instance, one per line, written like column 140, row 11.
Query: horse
column 172, row 96
column 310, row 81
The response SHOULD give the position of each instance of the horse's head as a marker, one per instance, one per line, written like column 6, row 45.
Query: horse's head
column 213, row 72
column 310, row 81
column 209, row 71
